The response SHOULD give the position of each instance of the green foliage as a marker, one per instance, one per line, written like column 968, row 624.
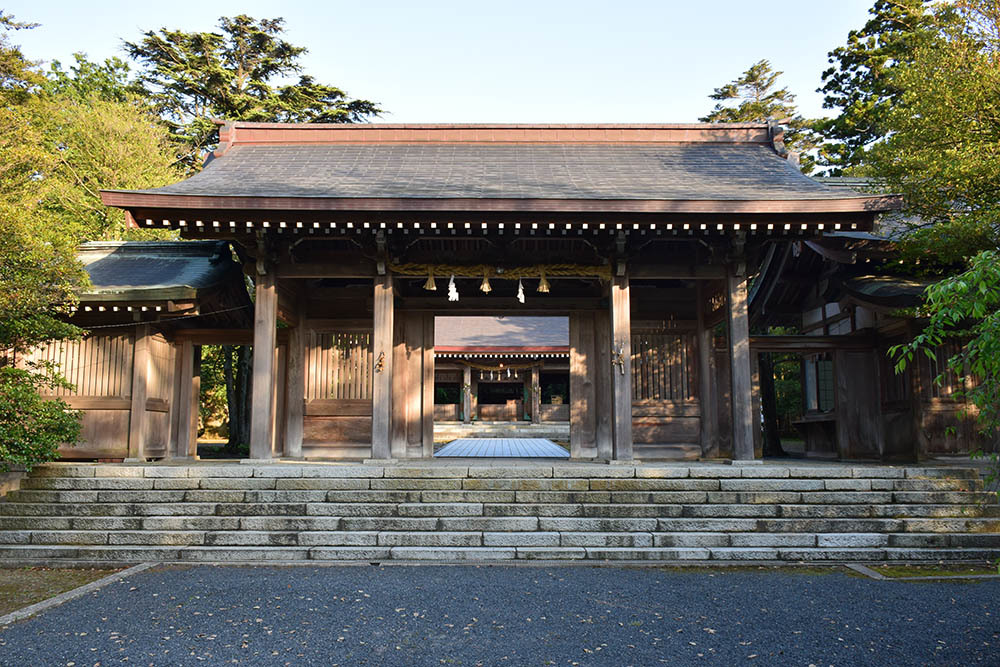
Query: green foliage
column 965, row 309
column 860, row 83
column 213, row 405
column 943, row 149
column 31, row 428
column 86, row 80
column 235, row 74
column 18, row 77
column 754, row 98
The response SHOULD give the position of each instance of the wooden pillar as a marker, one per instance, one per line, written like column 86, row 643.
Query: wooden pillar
column 621, row 383
column 185, row 369
column 295, row 392
column 382, row 349
column 427, row 400
column 137, row 417
column 264, row 335
column 602, row 386
column 707, row 392
column 740, row 368
column 582, row 403
column 467, row 394
column 194, row 403
column 536, row 395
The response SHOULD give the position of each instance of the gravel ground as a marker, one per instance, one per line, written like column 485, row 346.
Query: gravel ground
column 454, row 615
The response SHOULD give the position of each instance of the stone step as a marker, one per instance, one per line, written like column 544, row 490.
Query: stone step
column 138, row 553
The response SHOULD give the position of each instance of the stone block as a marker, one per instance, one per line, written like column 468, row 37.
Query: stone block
column 353, row 509
column 69, row 537
column 251, row 538
column 852, row 540
column 489, row 524
column 140, row 496
column 241, row 483
column 453, row 553
column 880, row 472
column 764, row 471
column 158, row 471
column 589, row 525
column 662, row 472
column 543, row 509
column 321, row 483
column 623, row 511
column 715, row 511
column 15, row 552
column 654, row 484
column 847, row 497
column 324, row 538
column 521, row 472
column 363, row 496
column 919, row 540
column 290, row 523
column 215, row 496
column 744, row 553
column 825, row 511
column 772, row 484
column 278, row 470
column 713, row 471
column 160, row 509
column 657, row 497
column 773, row 540
column 120, row 471
column 551, row 553
column 597, row 539
column 176, row 483
column 64, row 470
column 831, row 554
column 534, row 539
column 593, row 471
column 343, row 471
column 654, row 553
column 156, row 538
column 937, row 485
column 942, row 497
column 105, row 523
column 38, row 496
column 130, row 553
column 409, row 484
column 691, row 539
column 562, row 496
column 429, row 539
column 347, row 553
column 427, row 472
column 440, row 509
column 244, row 554
column 190, row 523
column 820, row 471
column 15, row 537
column 848, row 484
column 35, row 523
column 388, row 523
column 828, row 525
column 705, row 525
column 214, row 471
column 942, row 473
column 285, row 496
column 260, row 509
column 770, row 497
column 465, row 497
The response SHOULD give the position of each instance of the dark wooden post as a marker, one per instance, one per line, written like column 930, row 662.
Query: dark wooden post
column 427, row 399
column 137, row 418
column 382, row 354
column 621, row 383
column 536, row 395
column 707, row 394
column 467, row 394
column 739, row 365
column 264, row 336
column 295, row 392
column 602, row 386
column 582, row 402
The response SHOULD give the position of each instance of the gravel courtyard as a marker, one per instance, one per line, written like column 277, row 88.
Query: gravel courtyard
column 440, row 615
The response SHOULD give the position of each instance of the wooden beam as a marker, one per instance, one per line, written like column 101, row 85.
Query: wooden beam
column 740, row 367
column 621, row 383
column 811, row 343
column 468, row 305
column 382, row 349
column 676, row 271
column 342, row 267
column 140, row 371
column 264, row 339
column 295, row 392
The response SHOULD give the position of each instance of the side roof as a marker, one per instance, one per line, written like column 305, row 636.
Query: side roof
column 457, row 334
column 154, row 270
column 668, row 168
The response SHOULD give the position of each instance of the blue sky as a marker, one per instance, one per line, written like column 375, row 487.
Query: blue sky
column 515, row 61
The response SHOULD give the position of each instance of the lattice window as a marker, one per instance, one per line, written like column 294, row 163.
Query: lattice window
column 662, row 367
column 339, row 365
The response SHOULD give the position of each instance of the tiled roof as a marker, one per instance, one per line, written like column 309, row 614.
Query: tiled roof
column 155, row 270
column 702, row 171
column 479, row 333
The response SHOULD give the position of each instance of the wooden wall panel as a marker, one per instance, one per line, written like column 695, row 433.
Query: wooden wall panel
column 99, row 365
column 334, row 431
column 554, row 413
column 104, row 435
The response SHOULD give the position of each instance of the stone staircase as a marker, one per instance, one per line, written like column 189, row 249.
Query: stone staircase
column 102, row 513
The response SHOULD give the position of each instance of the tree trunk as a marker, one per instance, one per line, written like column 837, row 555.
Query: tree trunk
column 769, row 407
column 239, row 398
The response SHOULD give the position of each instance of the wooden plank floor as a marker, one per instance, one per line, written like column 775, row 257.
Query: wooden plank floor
column 503, row 448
